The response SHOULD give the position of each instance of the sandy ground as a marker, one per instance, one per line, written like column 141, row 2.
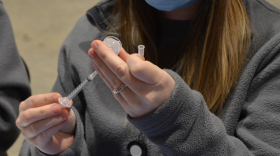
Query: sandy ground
column 40, row 27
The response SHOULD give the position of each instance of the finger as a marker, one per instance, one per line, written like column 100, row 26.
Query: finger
column 69, row 108
column 106, row 72
column 102, row 76
column 45, row 137
column 39, row 100
column 130, row 97
column 35, row 114
column 108, row 57
column 123, row 55
column 143, row 70
column 115, row 64
column 117, row 96
column 126, row 97
column 38, row 127
column 137, row 55
column 71, row 125
column 113, row 82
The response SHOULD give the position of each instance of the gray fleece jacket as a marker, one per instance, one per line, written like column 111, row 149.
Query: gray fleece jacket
column 14, row 83
column 183, row 125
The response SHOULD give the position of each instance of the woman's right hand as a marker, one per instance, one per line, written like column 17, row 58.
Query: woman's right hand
column 45, row 124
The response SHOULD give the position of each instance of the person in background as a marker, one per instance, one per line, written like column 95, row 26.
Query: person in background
column 209, row 84
column 14, row 83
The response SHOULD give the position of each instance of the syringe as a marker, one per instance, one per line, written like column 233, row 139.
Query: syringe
column 115, row 45
column 65, row 101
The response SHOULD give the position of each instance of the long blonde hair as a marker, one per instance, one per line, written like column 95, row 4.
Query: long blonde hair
column 217, row 43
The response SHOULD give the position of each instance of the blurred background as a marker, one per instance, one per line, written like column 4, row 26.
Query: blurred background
column 40, row 27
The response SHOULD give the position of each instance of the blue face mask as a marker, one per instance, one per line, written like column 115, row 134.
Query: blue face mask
column 169, row 5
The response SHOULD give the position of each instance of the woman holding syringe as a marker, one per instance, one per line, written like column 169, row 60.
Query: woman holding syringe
column 222, row 97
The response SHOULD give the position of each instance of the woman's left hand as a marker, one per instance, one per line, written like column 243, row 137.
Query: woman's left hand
column 148, row 86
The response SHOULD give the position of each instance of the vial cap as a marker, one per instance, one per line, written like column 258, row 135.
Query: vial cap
column 113, row 43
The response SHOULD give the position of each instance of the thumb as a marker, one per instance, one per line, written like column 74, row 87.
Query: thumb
column 144, row 70
column 123, row 55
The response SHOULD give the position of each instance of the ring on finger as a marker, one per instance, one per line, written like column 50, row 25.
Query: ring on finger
column 116, row 91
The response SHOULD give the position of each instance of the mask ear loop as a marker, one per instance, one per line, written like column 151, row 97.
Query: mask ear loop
column 138, row 147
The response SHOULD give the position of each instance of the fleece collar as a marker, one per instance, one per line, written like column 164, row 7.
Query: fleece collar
column 99, row 15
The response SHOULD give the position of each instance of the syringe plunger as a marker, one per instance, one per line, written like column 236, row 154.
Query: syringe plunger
column 64, row 102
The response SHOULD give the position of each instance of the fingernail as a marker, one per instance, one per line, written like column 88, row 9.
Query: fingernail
column 94, row 46
column 63, row 116
column 94, row 65
column 54, row 98
column 55, row 109
column 91, row 55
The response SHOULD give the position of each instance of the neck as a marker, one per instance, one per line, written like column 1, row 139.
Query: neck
column 182, row 14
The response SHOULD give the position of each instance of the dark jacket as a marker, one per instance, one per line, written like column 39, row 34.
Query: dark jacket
column 14, row 83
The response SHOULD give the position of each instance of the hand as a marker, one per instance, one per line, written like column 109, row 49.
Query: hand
column 45, row 124
column 148, row 85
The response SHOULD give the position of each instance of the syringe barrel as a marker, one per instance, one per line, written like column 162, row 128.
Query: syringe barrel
column 65, row 101
column 77, row 90
column 81, row 86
